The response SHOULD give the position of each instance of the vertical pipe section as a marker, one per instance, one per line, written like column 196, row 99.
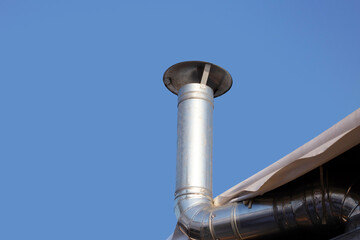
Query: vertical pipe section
column 194, row 145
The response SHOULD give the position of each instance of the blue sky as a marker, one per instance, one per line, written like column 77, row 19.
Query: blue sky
column 88, row 131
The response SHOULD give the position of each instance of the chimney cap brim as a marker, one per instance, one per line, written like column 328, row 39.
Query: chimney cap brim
column 187, row 72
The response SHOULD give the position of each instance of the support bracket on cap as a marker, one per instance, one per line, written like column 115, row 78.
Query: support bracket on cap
column 180, row 74
column 205, row 75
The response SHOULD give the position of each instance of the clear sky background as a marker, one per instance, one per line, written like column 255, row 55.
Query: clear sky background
column 88, row 131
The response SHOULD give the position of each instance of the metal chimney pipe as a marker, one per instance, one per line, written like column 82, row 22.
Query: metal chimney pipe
column 195, row 140
column 307, row 207
column 196, row 84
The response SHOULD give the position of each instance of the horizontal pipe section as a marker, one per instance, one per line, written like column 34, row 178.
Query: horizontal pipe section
column 267, row 217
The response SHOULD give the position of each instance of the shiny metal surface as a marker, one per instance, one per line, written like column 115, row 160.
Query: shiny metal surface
column 194, row 145
column 269, row 216
column 195, row 83
column 184, row 73
column 309, row 202
column 194, row 149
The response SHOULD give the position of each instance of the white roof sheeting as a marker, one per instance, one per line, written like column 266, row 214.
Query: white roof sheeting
column 328, row 145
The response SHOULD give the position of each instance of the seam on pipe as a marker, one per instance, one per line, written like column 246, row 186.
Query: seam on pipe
column 193, row 190
column 292, row 213
column 195, row 214
column 207, row 100
column 317, row 216
column 276, row 214
column 197, row 194
column 307, row 207
column 211, row 217
column 322, row 186
column 196, row 92
column 233, row 222
column 352, row 211
column 343, row 202
column 331, row 207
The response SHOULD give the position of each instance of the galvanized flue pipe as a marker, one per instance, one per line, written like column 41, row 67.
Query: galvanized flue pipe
column 194, row 146
column 196, row 84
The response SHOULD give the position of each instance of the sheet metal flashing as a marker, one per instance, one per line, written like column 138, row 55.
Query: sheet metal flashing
column 328, row 145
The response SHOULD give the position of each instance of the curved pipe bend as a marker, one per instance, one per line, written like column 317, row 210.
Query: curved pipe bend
column 302, row 208
column 268, row 216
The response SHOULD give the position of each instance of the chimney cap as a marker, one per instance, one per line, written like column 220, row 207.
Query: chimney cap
column 183, row 73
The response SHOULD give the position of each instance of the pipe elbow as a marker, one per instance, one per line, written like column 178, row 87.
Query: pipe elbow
column 192, row 213
column 199, row 219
